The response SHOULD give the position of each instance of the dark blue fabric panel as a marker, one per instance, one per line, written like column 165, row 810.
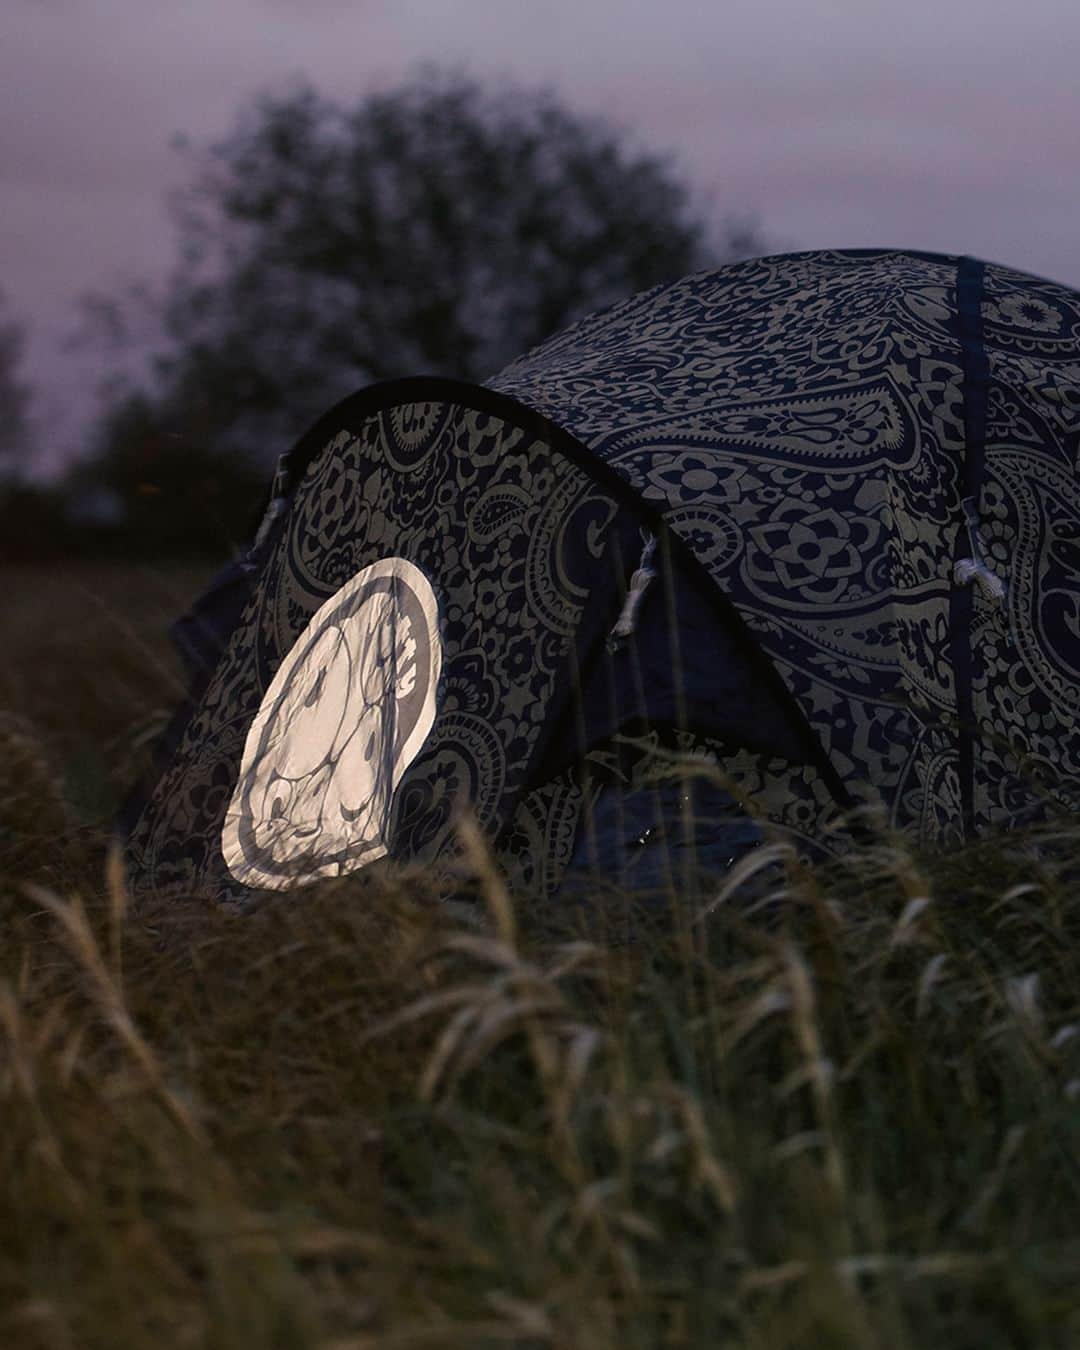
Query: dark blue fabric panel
column 649, row 843
column 683, row 667
column 200, row 635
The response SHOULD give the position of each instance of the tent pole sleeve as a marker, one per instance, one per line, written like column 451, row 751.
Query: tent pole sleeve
column 970, row 277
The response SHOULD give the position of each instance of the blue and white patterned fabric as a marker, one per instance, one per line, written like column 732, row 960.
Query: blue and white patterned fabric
column 812, row 426
column 860, row 473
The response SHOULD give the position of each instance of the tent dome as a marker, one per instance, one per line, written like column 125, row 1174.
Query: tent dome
column 833, row 497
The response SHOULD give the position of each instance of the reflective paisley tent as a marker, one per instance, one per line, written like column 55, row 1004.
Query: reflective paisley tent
column 811, row 520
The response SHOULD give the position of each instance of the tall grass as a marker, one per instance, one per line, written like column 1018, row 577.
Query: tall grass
column 842, row 1114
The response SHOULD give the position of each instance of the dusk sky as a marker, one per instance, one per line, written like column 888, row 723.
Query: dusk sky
column 952, row 125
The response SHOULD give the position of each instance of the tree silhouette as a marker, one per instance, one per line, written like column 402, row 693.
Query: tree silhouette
column 14, row 393
column 434, row 229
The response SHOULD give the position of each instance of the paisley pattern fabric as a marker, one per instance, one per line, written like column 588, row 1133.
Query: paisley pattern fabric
column 1026, row 675
column 801, row 422
column 511, row 535
column 808, row 429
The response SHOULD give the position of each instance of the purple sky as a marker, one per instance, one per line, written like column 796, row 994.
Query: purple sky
column 939, row 124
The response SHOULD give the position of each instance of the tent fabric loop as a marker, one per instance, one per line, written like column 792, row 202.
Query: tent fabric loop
column 976, row 568
column 274, row 511
column 280, row 490
column 968, row 570
column 644, row 573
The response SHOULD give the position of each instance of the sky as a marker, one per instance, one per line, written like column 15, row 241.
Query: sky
column 951, row 125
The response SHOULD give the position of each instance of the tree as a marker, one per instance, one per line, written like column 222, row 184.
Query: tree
column 435, row 229
column 14, row 394
column 161, row 491
column 26, row 511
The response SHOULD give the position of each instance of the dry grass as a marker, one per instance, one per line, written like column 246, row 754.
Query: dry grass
column 848, row 1116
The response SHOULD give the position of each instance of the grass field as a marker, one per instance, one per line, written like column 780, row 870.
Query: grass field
column 355, row 1119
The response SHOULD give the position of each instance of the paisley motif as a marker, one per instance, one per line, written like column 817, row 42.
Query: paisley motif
column 857, row 426
column 496, row 512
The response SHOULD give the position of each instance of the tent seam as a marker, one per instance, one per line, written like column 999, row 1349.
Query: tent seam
column 975, row 365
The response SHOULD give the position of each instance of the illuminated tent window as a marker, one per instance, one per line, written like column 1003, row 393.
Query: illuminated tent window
column 343, row 718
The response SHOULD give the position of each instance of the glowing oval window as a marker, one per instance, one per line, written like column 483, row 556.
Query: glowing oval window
column 346, row 713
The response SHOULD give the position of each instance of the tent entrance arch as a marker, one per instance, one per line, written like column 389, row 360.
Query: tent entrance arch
column 522, row 591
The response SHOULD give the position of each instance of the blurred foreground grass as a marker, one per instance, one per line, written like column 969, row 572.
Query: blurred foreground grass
column 848, row 1117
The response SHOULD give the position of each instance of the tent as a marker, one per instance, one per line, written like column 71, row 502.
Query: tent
column 812, row 519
